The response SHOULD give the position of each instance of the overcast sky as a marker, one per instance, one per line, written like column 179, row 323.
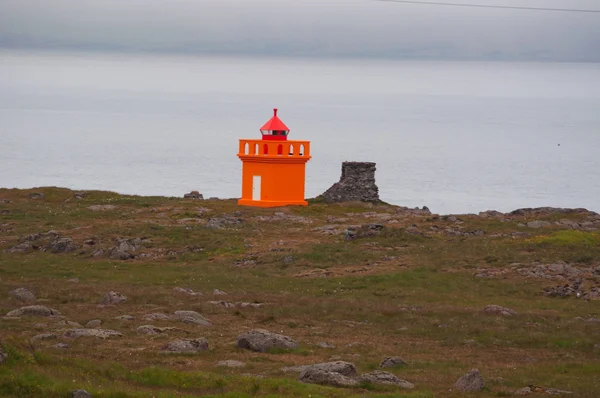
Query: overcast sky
column 324, row 28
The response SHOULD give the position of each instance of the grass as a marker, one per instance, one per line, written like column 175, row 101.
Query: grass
column 393, row 293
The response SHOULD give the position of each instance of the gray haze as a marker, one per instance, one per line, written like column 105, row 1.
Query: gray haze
column 324, row 28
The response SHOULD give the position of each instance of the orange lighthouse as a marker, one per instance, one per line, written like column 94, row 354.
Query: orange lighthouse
column 273, row 168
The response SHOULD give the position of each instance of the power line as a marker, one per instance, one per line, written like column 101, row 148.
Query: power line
column 491, row 6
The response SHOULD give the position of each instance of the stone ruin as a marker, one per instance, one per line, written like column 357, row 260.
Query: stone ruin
column 357, row 183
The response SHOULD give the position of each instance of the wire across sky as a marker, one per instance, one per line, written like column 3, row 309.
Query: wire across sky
column 436, row 3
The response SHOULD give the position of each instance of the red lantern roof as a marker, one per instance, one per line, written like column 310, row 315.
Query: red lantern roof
column 274, row 124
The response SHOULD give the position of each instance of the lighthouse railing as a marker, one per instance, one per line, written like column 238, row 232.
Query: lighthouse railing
column 261, row 148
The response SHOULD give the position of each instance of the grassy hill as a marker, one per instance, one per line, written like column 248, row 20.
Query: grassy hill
column 372, row 281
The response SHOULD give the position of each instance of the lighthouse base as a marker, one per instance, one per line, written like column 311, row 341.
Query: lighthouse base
column 271, row 203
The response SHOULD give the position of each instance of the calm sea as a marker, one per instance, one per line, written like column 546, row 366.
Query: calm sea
column 454, row 136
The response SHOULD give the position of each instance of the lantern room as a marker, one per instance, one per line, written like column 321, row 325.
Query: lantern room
column 274, row 129
column 273, row 168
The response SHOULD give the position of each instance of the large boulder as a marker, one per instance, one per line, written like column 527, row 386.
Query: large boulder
column 319, row 376
column 357, row 183
column 341, row 367
column 34, row 310
column 262, row 340
column 186, row 345
column 472, row 381
column 381, row 377
column 22, row 294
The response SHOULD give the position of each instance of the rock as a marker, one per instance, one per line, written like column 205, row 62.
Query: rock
column 218, row 292
column 381, row 377
column 113, row 298
column 73, row 280
column 538, row 224
column 24, row 247
column 61, row 346
column 490, row 213
column 102, row 207
column 81, row 394
column 295, row 369
column 357, row 183
column 191, row 317
column 323, row 377
column 325, row 344
column 125, row 317
column 193, row 195
column 341, row 367
column 261, row 340
column 186, row 345
column 65, row 323
column 40, row 326
column 22, row 294
column 123, row 251
column 231, row 363
column 99, row 333
column 187, row 291
column 79, row 195
column 43, row 336
column 249, row 305
column 363, row 231
column 151, row 329
column 36, row 195
column 391, row 362
column 94, row 323
column 3, row 355
column 156, row 317
column 225, row 304
column 34, row 310
column 497, row 310
column 472, row 381
column 223, row 222
column 61, row 245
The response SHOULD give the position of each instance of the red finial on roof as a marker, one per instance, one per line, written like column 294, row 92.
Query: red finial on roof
column 274, row 111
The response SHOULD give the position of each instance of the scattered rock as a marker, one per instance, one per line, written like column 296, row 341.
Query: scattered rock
column 472, row 381
column 357, row 183
column 36, row 195
column 34, row 310
column 249, row 305
column 391, row 362
column 79, row 195
column 156, row 317
column 151, row 329
column 363, row 231
column 497, row 310
column 113, row 298
column 22, row 294
column 225, row 304
column 186, row 345
column 187, row 291
column 341, row 367
column 223, row 222
column 323, row 377
column 193, row 195
column 65, row 323
column 61, row 346
column 81, row 394
column 218, row 292
column 43, row 336
column 230, row 363
column 3, row 355
column 490, row 213
column 191, row 317
column 261, row 340
column 73, row 280
column 325, row 344
column 102, row 207
column 125, row 317
column 61, row 245
column 94, row 323
column 40, row 326
column 124, row 250
column 538, row 224
column 24, row 247
column 99, row 333
column 381, row 377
